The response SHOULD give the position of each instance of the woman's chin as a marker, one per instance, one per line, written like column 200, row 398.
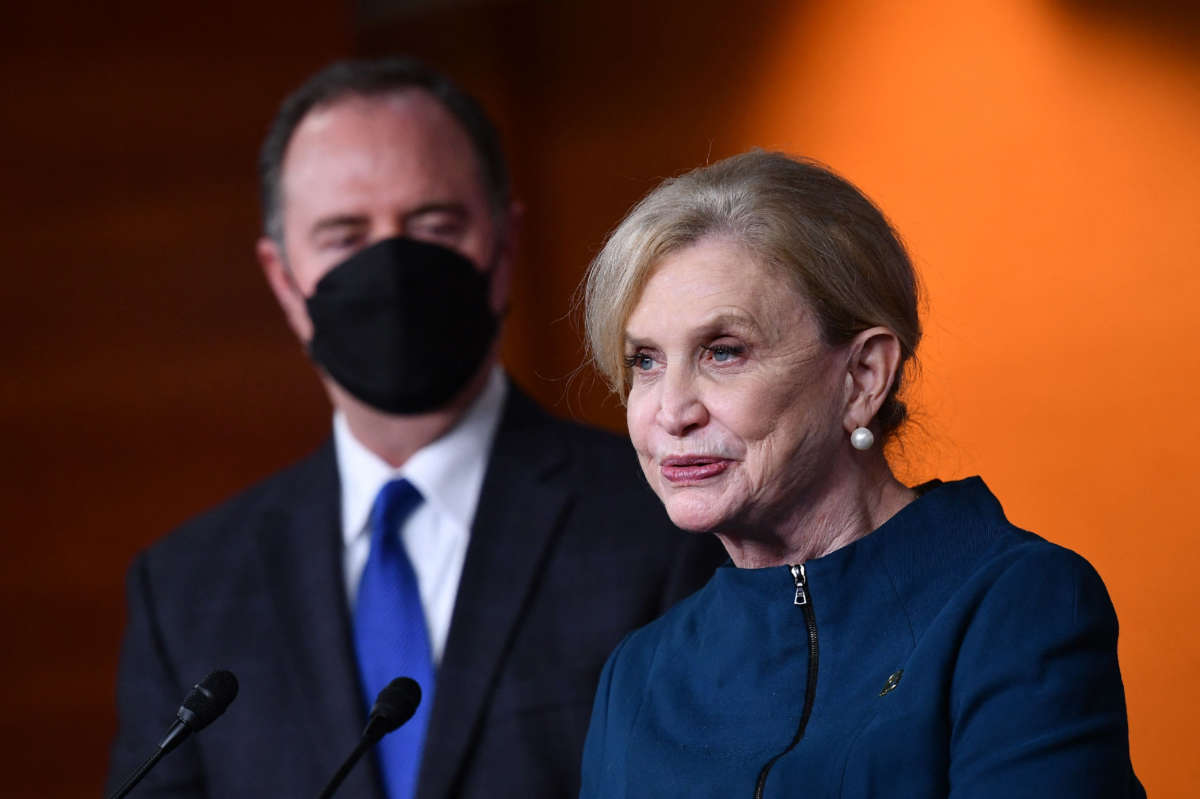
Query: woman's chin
column 694, row 517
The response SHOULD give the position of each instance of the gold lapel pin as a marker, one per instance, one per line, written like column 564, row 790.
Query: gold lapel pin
column 892, row 681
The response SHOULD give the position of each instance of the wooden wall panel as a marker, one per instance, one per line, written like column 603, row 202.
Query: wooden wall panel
column 143, row 356
column 1041, row 160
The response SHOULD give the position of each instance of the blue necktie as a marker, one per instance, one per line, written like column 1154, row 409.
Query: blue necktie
column 390, row 634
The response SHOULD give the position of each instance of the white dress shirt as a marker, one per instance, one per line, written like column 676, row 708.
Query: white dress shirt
column 449, row 474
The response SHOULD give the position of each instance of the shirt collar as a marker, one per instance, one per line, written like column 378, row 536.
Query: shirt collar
column 448, row 471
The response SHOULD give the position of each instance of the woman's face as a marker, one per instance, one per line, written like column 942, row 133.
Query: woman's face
column 735, row 405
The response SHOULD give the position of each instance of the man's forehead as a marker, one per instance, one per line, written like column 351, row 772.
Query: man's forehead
column 405, row 140
column 400, row 122
column 413, row 103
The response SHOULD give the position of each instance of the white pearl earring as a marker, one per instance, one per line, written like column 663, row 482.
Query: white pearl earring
column 862, row 438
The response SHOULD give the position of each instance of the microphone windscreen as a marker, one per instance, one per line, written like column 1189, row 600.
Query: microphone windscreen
column 396, row 704
column 208, row 699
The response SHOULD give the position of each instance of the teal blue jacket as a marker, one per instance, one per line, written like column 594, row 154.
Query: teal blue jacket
column 946, row 654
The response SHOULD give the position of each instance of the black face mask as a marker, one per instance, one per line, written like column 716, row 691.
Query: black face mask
column 402, row 325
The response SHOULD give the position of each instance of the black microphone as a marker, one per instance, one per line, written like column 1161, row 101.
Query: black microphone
column 201, row 707
column 396, row 704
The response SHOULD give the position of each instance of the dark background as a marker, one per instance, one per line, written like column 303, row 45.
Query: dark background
column 148, row 373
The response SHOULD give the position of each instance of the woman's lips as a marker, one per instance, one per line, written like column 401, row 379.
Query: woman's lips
column 692, row 468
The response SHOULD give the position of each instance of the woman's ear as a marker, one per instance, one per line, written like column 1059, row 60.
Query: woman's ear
column 870, row 374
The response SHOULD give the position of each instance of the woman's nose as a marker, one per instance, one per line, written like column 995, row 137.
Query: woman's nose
column 680, row 407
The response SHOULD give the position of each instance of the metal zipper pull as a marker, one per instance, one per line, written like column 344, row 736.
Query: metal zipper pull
column 810, row 690
column 801, row 585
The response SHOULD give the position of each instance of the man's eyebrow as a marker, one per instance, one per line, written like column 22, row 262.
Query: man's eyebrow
column 453, row 208
column 336, row 221
column 353, row 220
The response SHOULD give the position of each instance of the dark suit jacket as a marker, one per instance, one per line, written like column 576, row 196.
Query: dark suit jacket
column 569, row 551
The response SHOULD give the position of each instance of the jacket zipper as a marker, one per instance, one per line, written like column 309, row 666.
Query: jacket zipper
column 804, row 600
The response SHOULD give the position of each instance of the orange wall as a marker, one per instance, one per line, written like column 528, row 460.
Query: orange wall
column 1044, row 167
column 1040, row 159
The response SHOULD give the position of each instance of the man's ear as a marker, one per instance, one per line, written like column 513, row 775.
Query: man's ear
column 283, row 286
column 870, row 374
column 506, row 257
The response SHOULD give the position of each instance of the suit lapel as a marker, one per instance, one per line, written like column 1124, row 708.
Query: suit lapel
column 301, row 557
column 520, row 505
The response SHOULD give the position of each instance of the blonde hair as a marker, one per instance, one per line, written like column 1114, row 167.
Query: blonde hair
column 796, row 216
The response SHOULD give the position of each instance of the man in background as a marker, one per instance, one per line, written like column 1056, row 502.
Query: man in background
column 450, row 530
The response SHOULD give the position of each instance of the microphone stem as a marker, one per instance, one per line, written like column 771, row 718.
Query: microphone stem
column 136, row 777
column 363, row 745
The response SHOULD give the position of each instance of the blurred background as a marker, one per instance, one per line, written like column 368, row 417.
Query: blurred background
column 1040, row 157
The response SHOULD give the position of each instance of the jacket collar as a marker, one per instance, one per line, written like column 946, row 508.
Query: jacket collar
column 524, row 496
column 300, row 555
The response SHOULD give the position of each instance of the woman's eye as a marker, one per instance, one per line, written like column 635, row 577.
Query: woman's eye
column 639, row 361
column 723, row 353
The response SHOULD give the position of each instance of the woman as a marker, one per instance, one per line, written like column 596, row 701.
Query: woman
column 868, row 639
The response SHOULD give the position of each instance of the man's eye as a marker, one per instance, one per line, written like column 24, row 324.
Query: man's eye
column 438, row 231
column 340, row 241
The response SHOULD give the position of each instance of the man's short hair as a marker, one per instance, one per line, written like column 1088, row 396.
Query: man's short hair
column 375, row 78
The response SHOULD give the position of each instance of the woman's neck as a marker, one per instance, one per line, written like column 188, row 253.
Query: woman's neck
column 845, row 511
